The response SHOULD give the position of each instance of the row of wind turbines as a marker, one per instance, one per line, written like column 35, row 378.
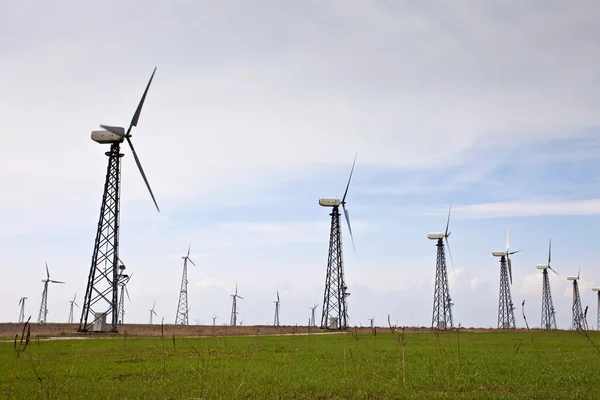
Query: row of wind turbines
column 104, row 301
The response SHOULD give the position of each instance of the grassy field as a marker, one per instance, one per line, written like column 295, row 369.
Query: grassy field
column 449, row 365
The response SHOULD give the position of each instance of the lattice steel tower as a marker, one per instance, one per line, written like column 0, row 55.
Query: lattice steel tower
column 101, row 294
column 506, row 309
column 22, row 309
column 123, row 280
column 71, row 304
column 234, row 311
column 276, row 318
column 335, row 306
column 44, row 305
column 182, row 306
column 548, row 313
column 597, row 290
column 442, row 302
column 578, row 321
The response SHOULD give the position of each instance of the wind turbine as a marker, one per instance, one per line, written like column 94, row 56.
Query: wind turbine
column 102, row 289
column 123, row 280
column 276, row 319
column 312, row 314
column 152, row 312
column 72, row 302
column 44, row 306
column 548, row 313
column 214, row 318
column 579, row 321
column 372, row 321
column 442, row 302
column 182, row 305
column 506, row 310
column 335, row 308
column 234, row 307
column 22, row 309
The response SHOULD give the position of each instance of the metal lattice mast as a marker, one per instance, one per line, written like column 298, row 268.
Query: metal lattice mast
column 70, row 321
column 101, row 292
column 334, row 298
column 442, row 302
column 182, row 305
column 312, row 315
column 548, row 313
column 22, row 309
column 43, row 306
column 578, row 321
column 276, row 318
column 121, row 312
column 506, row 309
column 234, row 312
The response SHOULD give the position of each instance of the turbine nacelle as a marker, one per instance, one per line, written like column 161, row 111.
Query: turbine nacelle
column 436, row 235
column 499, row 253
column 572, row 278
column 329, row 202
column 596, row 289
column 106, row 137
column 541, row 266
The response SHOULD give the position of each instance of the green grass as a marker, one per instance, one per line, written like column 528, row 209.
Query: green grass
column 342, row 366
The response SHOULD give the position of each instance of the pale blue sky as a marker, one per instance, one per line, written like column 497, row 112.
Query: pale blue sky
column 256, row 111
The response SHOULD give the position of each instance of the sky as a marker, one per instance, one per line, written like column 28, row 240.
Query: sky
column 256, row 111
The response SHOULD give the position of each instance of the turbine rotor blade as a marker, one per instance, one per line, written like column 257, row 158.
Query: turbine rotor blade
column 47, row 272
column 278, row 295
column 189, row 247
column 446, row 234
column 138, row 111
column 55, row 281
column 127, row 293
column 552, row 269
column 450, row 254
column 117, row 130
column 509, row 269
column 190, row 260
column 137, row 161
column 240, row 297
column 349, row 179
column 513, row 252
column 349, row 227
column 549, row 251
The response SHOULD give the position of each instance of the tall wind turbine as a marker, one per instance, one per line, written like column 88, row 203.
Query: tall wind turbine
column 214, row 318
column 548, row 313
column 72, row 303
column 22, row 309
column 44, row 304
column 182, row 306
column 579, row 321
column 597, row 290
column 152, row 312
column 234, row 311
column 506, row 309
column 101, row 294
column 372, row 321
column 123, row 280
column 312, row 314
column 276, row 319
column 442, row 302
column 335, row 307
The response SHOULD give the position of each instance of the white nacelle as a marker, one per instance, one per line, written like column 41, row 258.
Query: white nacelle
column 106, row 137
column 596, row 289
column 329, row 202
column 571, row 278
column 498, row 253
column 435, row 235
column 541, row 266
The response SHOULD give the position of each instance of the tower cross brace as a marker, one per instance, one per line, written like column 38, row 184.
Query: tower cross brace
column 578, row 322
